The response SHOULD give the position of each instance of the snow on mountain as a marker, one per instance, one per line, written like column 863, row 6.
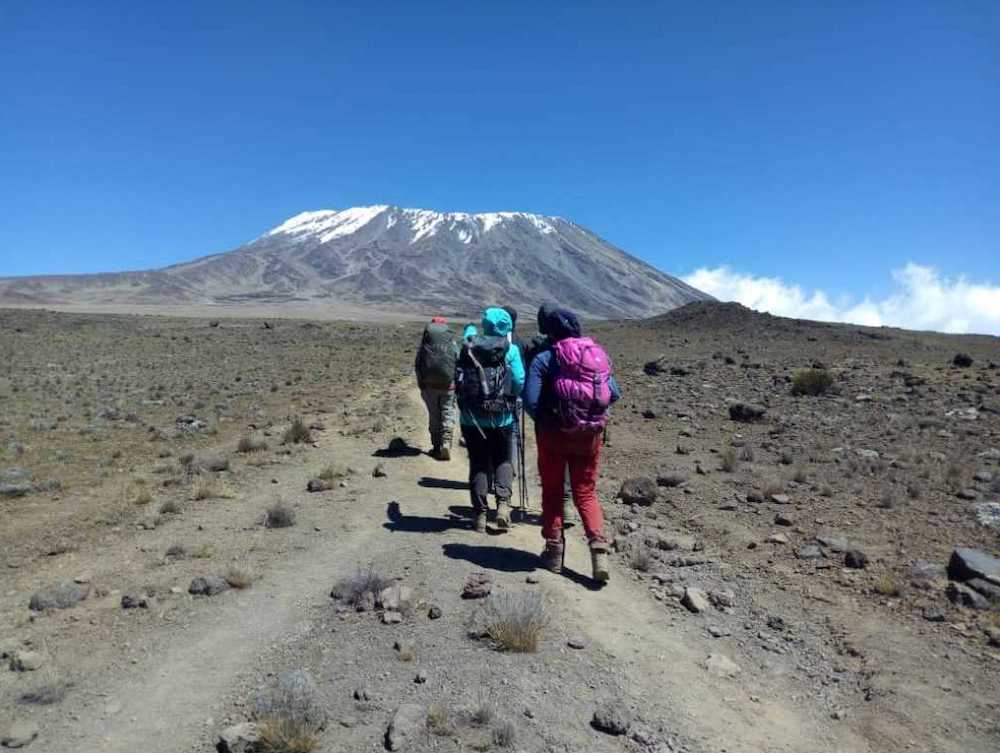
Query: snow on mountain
column 391, row 257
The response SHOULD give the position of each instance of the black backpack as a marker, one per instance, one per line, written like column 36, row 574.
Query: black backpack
column 482, row 379
column 438, row 350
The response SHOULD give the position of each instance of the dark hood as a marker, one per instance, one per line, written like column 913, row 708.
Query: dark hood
column 560, row 324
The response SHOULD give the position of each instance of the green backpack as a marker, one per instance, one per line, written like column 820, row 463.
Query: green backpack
column 437, row 355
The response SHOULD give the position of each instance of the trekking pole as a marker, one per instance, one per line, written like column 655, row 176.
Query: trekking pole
column 521, row 463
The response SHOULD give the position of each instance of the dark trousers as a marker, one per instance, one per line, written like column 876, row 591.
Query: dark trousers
column 489, row 451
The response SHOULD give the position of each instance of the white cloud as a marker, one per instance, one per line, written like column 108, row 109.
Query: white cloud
column 921, row 299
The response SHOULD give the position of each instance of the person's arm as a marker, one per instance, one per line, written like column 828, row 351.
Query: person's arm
column 536, row 378
column 516, row 366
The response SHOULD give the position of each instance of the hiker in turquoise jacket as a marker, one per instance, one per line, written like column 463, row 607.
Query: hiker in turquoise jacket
column 488, row 434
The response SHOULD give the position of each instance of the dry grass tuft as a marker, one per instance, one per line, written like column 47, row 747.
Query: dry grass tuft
column 207, row 486
column 505, row 734
column 640, row 559
column 250, row 443
column 298, row 432
column 439, row 721
column 516, row 621
column 886, row 585
column 282, row 734
column 332, row 473
column 240, row 576
column 728, row 460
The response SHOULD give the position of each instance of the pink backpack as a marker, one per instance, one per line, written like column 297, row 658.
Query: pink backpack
column 583, row 384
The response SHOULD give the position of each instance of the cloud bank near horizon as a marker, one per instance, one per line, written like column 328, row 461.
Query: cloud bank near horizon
column 921, row 299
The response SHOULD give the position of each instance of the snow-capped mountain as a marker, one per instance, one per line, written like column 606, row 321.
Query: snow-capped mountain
column 395, row 258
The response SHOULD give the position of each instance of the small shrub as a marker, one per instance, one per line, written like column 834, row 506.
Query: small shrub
column 772, row 487
column 251, row 443
column 170, row 507
column 176, row 551
column 641, row 560
column 799, row 475
column 812, row 382
column 485, row 711
column 516, row 621
column 786, row 457
column 728, row 460
column 353, row 588
column 298, row 432
column 331, row 473
column 913, row 490
column 239, row 576
column 746, row 453
column 504, row 734
column 887, row 499
column 279, row 515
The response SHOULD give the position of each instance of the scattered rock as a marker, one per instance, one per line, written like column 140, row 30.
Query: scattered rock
column 26, row 661
column 962, row 360
column 966, row 563
column 576, row 642
column 780, row 499
column 695, row 600
column 746, row 412
column 240, row 738
column 833, row 543
column 16, row 490
column 208, row 585
column 60, row 596
column 397, row 598
column 963, row 596
column 924, row 570
column 477, row 586
column 723, row 599
column 777, row 538
column 405, row 727
column 391, row 617
column 671, row 479
column 212, row 463
column 434, row 612
column 612, row 718
column 967, row 494
column 990, row 590
column 20, row 734
column 809, row 552
column 988, row 514
column 783, row 520
column 317, row 485
column 640, row 490
column 992, row 635
column 134, row 602
column 379, row 471
column 856, row 559
column 420, row 678
column 721, row 666
column 934, row 614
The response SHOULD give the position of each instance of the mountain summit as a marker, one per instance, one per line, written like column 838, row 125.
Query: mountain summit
column 397, row 258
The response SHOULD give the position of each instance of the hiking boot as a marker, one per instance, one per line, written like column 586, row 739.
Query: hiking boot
column 599, row 562
column 552, row 557
column 503, row 515
column 479, row 524
column 444, row 454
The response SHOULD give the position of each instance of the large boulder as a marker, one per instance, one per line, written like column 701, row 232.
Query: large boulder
column 639, row 490
column 406, row 725
column 60, row 596
column 966, row 564
column 747, row 412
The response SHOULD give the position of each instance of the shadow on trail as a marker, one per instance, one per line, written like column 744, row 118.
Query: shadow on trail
column 398, row 448
column 493, row 557
column 430, row 482
column 398, row 521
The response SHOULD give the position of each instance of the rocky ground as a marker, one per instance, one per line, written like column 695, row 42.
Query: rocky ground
column 781, row 579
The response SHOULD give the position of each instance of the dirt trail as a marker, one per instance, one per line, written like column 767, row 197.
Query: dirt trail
column 172, row 699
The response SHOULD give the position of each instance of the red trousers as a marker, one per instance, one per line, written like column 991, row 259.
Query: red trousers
column 581, row 453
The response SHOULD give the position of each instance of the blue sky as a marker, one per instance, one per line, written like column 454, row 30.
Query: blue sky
column 823, row 144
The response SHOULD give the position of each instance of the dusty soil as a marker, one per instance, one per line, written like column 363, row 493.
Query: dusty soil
column 109, row 417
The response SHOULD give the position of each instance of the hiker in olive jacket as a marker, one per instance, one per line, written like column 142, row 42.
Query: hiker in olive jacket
column 435, row 367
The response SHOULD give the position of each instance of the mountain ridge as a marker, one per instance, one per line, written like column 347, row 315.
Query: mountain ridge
column 388, row 256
